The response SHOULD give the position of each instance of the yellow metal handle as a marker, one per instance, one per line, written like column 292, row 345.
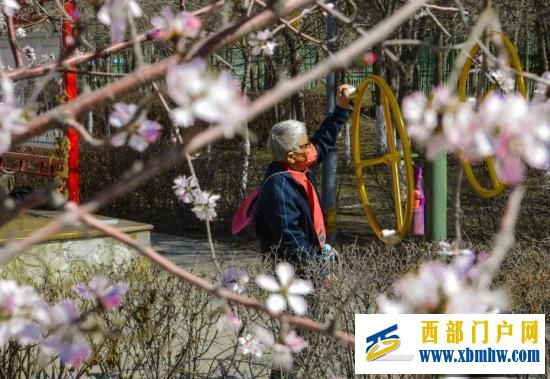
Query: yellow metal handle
column 394, row 119
column 498, row 186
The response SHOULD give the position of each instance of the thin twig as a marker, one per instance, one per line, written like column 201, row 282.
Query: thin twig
column 487, row 17
column 92, row 73
column 440, row 8
column 82, row 132
column 135, row 41
column 439, row 24
column 289, row 25
column 17, row 58
column 504, row 240
column 416, row 42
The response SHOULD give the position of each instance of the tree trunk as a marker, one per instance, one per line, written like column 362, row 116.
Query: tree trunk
column 542, row 47
column 245, row 146
column 439, row 70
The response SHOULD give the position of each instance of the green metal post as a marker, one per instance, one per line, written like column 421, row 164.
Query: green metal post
column 436, row 198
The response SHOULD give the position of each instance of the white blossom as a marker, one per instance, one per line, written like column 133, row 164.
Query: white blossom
column 261, row 43
column 286, row 290
column 204, row 205
column 251, row 345
column 198, row 95
column 20, row 32
column 10, row 6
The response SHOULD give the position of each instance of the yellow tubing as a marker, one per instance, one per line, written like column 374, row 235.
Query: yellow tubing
column 498, row 186
column 393, row 117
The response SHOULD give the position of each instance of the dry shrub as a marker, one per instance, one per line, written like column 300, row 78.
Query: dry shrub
column 168, row 328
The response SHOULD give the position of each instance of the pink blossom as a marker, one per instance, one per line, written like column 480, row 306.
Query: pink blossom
column 370, row 58
column 138, row 131
column 520, row 134
column 233, row 279
column 172, row 26
column 110, row 297
column 69, row 343
column 115, row 13
column 284, row 348
column 506, row 127
column 230, row 319
column 74, row 354
column 63, row 313
column 440, row 288
column 185, row 188
column 17, row 307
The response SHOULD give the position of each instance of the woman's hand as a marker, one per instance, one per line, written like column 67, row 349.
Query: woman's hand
column 343, row 95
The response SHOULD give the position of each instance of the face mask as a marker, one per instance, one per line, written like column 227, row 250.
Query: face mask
column 311, row 157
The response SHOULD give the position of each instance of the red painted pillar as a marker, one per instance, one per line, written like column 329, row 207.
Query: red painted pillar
column 70, row 87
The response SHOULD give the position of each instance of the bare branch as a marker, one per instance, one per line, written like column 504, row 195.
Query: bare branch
column 82, row 132
column 18, row 59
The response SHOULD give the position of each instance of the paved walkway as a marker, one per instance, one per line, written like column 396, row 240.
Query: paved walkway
column 188, row 252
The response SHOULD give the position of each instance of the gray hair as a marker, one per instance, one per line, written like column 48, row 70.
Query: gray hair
column 284, row 137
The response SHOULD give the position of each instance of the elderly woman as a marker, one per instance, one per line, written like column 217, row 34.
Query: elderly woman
column 289, row 219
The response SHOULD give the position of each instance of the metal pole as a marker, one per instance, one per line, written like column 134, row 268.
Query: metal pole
column 330, row 164
column 436, row 198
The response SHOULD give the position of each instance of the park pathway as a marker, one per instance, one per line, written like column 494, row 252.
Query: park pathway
column 188, row 252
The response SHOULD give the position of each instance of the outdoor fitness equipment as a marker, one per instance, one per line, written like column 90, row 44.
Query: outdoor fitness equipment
column 497, row 186
column 393, row 157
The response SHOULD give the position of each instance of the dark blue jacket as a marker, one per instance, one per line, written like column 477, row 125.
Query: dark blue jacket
column 284, row 222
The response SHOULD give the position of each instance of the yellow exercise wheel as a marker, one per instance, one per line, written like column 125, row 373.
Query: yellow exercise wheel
column 497, row 186
column 395, row 155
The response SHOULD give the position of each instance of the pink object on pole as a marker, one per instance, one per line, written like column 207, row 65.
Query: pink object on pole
column 419, row 202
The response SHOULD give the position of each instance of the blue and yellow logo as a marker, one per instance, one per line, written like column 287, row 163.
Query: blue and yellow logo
column 381, row 343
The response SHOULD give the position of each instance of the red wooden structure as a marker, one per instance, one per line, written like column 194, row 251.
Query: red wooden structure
column 29, row 164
